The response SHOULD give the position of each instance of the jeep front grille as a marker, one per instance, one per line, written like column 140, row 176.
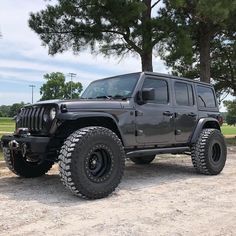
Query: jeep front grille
column 31, row 118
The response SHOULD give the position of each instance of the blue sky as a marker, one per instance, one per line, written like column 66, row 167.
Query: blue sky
column 24, row 61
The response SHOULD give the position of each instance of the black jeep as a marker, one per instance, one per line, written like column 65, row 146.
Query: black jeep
column 132, row 116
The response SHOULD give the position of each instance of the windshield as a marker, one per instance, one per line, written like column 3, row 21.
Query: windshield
column 119, row 87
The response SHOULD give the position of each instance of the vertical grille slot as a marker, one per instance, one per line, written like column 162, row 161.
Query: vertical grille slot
column 32, row 118
column 27, row 118
column 41, row 118
column 37, row 119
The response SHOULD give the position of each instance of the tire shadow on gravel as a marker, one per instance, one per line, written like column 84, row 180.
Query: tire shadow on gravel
column 50, row 191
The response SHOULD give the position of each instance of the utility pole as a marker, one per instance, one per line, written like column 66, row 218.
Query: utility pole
column 32, row 87
column 72, row 75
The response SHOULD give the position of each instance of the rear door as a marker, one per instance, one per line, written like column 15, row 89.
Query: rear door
column 185, row 107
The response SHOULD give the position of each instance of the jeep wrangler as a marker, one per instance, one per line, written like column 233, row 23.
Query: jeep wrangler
column 135, row 116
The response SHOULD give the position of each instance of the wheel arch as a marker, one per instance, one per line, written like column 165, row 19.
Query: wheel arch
column 72, row 123
column 204, row 123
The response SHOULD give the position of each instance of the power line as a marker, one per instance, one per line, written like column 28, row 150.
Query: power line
column 72, row 75
column 32, row 87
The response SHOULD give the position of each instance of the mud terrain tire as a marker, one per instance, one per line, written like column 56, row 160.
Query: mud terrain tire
column 91, row 162
column 209, row 153
column 19, row 166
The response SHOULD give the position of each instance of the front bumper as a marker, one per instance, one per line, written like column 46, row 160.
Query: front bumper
column 32, row 144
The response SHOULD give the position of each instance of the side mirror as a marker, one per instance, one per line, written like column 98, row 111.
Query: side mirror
column 148, row 94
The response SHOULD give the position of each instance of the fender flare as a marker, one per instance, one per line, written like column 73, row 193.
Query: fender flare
column 72, row 116
column 199, row 127
column 77, row 115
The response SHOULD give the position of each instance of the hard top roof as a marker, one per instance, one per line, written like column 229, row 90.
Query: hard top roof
column 175, row 77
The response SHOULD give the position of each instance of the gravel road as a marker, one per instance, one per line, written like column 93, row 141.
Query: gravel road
column 164, row 198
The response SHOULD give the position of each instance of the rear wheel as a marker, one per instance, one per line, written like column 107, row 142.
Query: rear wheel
column 143, row 160
column 23, row 167
column 209, row 153
column 91, row 162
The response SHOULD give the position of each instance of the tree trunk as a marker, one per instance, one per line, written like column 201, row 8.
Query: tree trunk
column 146, row 59
column 205, row 64
column 147, row 48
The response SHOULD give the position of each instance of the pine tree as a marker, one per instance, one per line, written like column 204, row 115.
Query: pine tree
column 107, row 26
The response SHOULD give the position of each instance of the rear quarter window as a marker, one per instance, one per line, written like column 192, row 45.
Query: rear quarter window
column 206, row 97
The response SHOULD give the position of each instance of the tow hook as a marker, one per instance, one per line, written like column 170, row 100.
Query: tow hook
column 24, row 149
column 13, row 145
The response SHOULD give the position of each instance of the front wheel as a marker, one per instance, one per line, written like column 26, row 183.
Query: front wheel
column 209, row 153
column 91, row 162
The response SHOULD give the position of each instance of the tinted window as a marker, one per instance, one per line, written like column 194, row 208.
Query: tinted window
column 184, row 94
column 181, row 94
column 206, row 97
column 190, row 93
column 161, row 89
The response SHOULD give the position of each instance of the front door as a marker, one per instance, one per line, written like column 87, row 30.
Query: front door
column 155, row 118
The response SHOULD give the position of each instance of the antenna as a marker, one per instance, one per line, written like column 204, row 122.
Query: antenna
column 72, row 75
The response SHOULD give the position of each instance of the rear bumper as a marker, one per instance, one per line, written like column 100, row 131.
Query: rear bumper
column 33, row 144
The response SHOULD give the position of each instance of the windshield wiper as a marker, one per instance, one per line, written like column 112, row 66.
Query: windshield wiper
column 104, row 96
column 86, row 98
column 118, row 96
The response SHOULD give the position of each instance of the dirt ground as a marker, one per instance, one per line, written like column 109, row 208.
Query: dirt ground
column 164, row 198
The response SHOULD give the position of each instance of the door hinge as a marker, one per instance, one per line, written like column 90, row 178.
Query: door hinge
column 178, row 132
column 138, row 132
column 138, row 113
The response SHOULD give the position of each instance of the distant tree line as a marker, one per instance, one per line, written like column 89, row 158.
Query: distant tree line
column 10, row 110
column 231, row 115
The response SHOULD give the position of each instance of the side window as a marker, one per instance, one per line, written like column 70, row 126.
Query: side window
column 161, row 89
column 206, row 97
column 184, row 94
column 181, row 94
column 190, row 93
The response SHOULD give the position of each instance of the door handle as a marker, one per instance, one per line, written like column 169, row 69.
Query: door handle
column 192, row 114
column 167, row 113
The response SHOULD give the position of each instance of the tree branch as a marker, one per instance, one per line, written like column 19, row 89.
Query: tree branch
column 131, row 43
column 154, row 4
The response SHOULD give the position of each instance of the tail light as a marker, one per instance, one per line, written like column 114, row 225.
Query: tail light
column 220, row 119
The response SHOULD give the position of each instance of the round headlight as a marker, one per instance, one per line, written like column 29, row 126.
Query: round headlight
column 53, row 113
column 45, row 117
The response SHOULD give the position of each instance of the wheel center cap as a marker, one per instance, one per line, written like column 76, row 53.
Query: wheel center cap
column 94, row 162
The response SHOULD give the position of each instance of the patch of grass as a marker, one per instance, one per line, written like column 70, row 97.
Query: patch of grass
column 6, row 120
column 228, row 129
column 6, row 125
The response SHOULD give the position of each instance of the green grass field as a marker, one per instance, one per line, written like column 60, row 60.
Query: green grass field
column 228, row 130
column 7, row 125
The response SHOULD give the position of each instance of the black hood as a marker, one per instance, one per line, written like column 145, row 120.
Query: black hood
column 84, row 104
